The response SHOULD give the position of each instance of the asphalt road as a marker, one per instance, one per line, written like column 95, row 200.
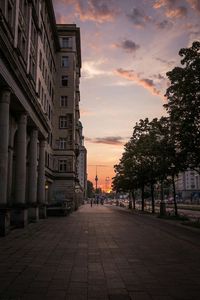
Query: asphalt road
column 101, row 253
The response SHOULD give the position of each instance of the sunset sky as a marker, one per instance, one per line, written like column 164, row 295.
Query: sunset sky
column 127, row 48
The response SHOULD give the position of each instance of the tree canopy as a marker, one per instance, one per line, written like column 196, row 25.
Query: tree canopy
column 183, row 106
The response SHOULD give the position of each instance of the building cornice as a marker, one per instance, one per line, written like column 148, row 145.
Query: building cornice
column 52, row 17
column 71, row 28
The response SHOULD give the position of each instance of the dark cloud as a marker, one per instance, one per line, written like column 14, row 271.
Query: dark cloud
column 165, row 24
column 168, row 63
column 110, row 140
column 138, row 18
column 159, row 76
column 128, row 46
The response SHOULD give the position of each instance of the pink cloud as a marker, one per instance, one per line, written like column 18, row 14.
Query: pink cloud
column 95, row 10
column 172, row 8
column 63, row 19
column 145, row 82
column 98, row 11
column 84, row 112
column 195, row 4
column 139, row 18
column 109, row 140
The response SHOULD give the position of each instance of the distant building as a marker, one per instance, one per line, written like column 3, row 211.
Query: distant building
column 188, row 185
column 40, row 65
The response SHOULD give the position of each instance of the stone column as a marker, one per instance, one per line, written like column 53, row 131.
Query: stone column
column 10, row 171
column 4, row 130
column 20, row 216
column 33, row 214
column 41, row 180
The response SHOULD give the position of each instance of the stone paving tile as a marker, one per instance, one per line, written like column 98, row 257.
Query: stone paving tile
column 119, row 297
column 76, row 297
column 100, row 254
column 140, row 296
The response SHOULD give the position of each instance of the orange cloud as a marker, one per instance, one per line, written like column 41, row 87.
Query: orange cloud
column 173, row 10
column 145, row 82
column 178, row 12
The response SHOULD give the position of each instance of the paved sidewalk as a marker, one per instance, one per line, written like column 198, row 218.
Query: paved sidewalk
column 100, row 253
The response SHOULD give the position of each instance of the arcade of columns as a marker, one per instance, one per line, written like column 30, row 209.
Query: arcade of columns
column 22, row 188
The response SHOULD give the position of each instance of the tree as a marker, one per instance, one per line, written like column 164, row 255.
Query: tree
column 150, row 156
column 90, row 189
column 183, row 106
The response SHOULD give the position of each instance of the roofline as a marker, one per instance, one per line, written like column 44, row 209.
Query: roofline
column 73, row 28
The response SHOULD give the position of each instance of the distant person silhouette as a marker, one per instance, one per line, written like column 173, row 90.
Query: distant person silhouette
column 91, row 202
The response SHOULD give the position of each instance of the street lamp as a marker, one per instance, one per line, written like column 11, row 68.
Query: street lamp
column 46, row 192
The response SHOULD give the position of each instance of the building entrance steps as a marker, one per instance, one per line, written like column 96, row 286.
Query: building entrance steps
column 100, row 253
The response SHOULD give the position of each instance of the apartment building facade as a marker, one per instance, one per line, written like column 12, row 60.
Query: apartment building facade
column 188, row 186
column 82, row 163
column 39, row 87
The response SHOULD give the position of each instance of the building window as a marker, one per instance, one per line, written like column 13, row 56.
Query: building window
column 65, row 62
column 39, row 88
column 43, row 68
column 40, row 60
column 62, row 164
column 45, row 101
column 63, row 122
column 33, row 69
column 70, row 137
column 66, row 42
column 33, row 33
column 10, row 14
column 62, row 143
column 42, row 96
column 64, row 80
column 49, row 112
column 63, row 101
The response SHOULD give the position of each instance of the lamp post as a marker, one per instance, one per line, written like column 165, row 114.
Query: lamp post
column 174, row 188
column 162, row 202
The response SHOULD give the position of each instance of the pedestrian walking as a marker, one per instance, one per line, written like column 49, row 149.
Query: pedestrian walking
column 91, row 202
